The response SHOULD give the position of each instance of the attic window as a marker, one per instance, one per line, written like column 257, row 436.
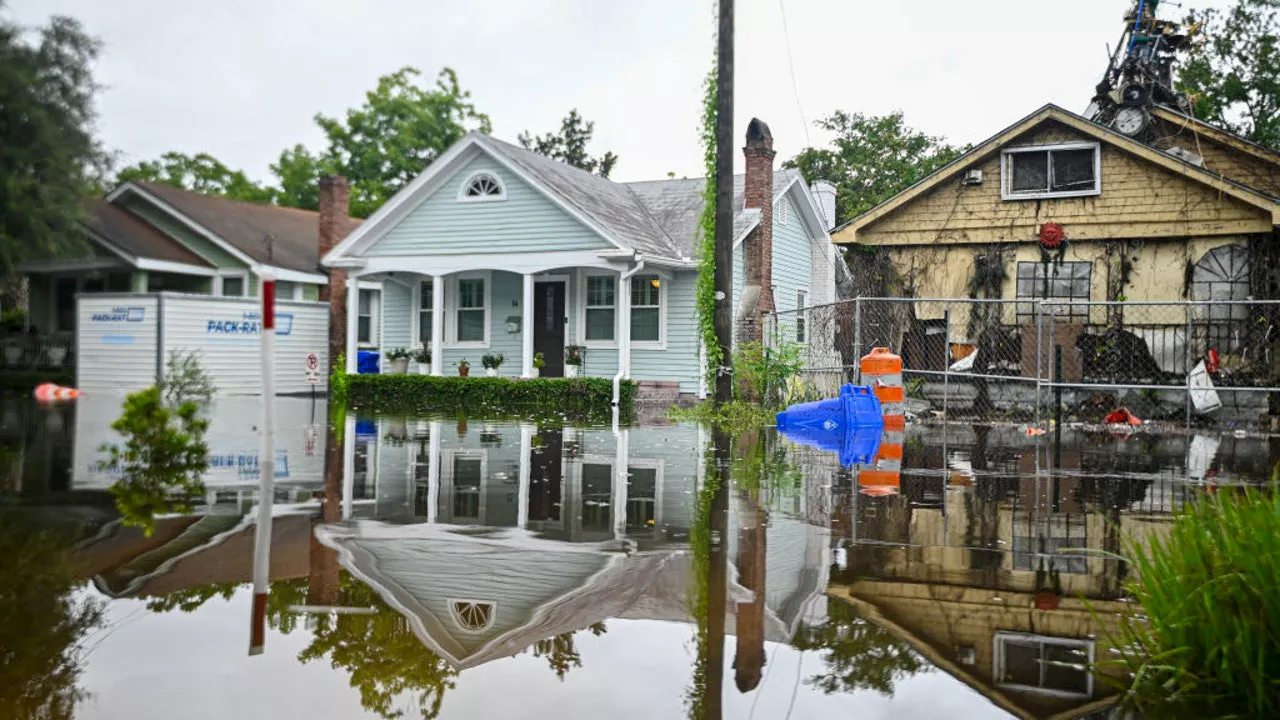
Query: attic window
column 1051, row 171
column 472, row 615
column 482, row 187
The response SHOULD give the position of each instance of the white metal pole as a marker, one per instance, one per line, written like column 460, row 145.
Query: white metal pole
column 527, row 431
column 266, row 465
column 526, row 329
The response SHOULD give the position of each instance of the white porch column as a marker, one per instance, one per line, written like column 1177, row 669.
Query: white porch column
column 624, row 329
column 437, row 331
column 353, row 321
column 526, row 470
column 433, row 469
column 526, row 329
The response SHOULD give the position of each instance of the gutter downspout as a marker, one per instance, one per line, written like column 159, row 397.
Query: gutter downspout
column 624, row 346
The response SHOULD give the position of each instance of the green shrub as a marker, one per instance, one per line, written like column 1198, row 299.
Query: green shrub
column 1208, row 641
column 427, row 394
column 14, row 319
column 764, row 373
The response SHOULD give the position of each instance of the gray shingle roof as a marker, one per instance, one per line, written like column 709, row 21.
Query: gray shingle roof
column 657, row 217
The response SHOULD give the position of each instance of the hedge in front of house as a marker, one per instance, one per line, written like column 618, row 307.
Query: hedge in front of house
column 471, row 395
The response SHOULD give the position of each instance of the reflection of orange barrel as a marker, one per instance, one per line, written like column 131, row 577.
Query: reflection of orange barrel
column 48, row 392
column 882, row 370
column 884, row 475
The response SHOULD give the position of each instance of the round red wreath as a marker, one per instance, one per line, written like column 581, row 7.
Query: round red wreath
column 1052, row 236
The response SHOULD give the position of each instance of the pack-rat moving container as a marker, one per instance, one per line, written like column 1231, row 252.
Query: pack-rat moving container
column 123, row 341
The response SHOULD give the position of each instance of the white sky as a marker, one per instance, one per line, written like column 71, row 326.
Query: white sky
column 242, row 79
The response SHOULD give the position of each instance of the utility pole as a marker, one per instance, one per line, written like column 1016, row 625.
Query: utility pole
column 724, row 203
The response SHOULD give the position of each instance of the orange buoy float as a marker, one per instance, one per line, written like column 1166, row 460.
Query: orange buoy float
column 49, row 392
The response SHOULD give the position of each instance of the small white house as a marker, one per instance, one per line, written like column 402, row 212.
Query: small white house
column 496, row 249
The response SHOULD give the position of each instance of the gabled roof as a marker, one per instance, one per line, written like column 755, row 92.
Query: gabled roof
column 133, row 236
column 1220, row 135
column 264, row 234
column 658, row 218
column 1081, row 125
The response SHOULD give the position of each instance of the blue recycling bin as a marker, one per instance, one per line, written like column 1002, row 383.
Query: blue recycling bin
column 856, row 407
column 367, row 362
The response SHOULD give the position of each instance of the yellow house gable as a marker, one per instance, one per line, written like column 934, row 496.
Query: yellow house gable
column 1141, row 193
column 1223, row 153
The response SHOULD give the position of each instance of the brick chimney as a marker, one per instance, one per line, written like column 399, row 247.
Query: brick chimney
column 335, row 208
column 757, row 296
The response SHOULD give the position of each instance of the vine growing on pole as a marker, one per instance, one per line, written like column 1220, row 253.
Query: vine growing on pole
column 706, row 285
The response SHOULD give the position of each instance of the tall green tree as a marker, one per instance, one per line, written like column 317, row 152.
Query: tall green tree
column 401, row 128
column 858, row 654
column 871, row 159
column 1233, row 76
column 570, row 145
column 49, row 158
column 202, row 173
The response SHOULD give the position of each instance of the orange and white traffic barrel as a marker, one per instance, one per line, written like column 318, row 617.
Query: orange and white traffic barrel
column 882, row 370
column 884, row 475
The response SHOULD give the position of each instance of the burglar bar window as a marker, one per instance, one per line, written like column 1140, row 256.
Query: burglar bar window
column 1051, row 172
column 1063, row 281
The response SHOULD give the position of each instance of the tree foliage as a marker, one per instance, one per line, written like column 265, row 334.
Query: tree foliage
column 859, row 654
column 570, row 145
column 381, row 146
column 1233, row 77
column 42, row 624
column 202, row 173
column 49, row 159
column 871, row 159
column 561, row 652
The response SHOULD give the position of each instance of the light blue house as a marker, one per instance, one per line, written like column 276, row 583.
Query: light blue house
column 497, row 249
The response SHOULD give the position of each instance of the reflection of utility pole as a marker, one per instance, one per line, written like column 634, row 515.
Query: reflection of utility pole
column 724, row 203
column 717, row 566
column 752, row 522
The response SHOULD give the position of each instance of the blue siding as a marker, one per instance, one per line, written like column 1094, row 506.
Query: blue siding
column 792, row 259
column 397, row 314
column 679, row 361
column 525, row 222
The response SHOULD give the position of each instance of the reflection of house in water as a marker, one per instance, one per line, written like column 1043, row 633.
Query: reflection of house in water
column 532, row 533
column 976, row 561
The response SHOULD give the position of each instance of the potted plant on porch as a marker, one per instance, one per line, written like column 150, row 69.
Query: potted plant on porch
column 422, row 356
column 397, row 361
column 539, row 360
column 573, row 360
column 464, row 367
column 491, row 362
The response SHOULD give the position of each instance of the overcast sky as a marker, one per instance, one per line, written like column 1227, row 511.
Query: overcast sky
column 242, row 79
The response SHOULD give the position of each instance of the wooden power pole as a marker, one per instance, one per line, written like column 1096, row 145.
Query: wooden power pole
column 724, row 204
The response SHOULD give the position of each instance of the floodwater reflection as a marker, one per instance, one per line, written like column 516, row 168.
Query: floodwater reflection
column 446, row 568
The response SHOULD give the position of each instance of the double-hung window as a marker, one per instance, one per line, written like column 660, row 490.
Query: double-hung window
column 472, row 311
column 233, row 287
column 601, row 308
column 426, row 296
column 646, row 309
column 366, row 318
column 1046, row 665
column 1051, row 171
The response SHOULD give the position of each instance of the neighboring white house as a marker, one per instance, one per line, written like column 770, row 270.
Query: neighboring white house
column 497, row 249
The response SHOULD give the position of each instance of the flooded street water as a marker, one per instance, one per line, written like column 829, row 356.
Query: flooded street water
column 495, row 569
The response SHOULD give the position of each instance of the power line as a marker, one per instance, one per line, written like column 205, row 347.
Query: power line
column 791, row 63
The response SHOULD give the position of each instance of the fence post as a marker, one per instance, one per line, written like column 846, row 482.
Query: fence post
column 1187, row 343
column 857, row 339
column 1039, row 356
column 946, row 383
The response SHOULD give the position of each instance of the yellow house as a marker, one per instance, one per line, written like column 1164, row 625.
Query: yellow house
column 1189, row 214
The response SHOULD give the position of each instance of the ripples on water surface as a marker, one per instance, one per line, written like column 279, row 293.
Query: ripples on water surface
column 468, row 569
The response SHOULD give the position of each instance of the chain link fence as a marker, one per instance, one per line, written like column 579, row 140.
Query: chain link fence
column 1194, row 362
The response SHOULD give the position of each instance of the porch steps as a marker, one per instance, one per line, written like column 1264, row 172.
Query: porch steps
column 656, row 392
